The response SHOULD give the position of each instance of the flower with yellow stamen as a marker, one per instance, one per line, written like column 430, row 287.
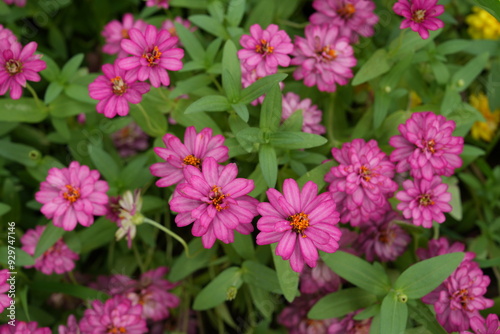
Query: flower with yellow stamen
column 484, row 130
column 482, row 25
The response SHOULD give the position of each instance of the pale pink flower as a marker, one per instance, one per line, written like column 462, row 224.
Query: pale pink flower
column 442, row 246
column 71, row 328
column 7, row 38
column 479, row 325
column 22, row 327
column 168, row 25
column 4, row 287
column 324, row 59
column 115, row 31
column 116, row 284
column 158, row 3
column 130, row 140
column 73, row 195
column 310, row 113
column 319, row 280
column 348, row 325
column 18, row 3
column 420, row 15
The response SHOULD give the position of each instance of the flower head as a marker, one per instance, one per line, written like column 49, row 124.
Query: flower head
column 158, row 3
column 71, row 328
column 479, row 325
column 18, row 3
column 168, row 25
column 324, row 58
column 115, row 31
column 420, row 15
column 22, row 327
column 294, row 317
column 115, row 90
column 310, row 113
column 130, row 140
column 354, row 18
column 348, row 325
column 484, row 130
column 129, row 216
column 482, row 25
column 196, row 148
column 18, row 65
column 73, row 195
column 215, row 201
column 319, row 280
column 265, row 49
column 426, row 146
column 4, row 287
column 301, row 222
column 153, row 52
column 442, row 246
column 7, row 38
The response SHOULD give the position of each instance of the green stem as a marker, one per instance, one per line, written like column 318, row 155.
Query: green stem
column 436, row 231
column 217, row 84
column 172, row 234
column 72, row 278
column 294, row 24
column 138, row 258
column 35, row 96
column 148, row 120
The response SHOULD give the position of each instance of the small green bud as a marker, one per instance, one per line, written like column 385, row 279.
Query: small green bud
column 231, row 292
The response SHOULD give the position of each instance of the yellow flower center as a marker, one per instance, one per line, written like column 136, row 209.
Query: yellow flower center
column 429, row 146
column 192, row 160
column 327, row 54
column 264, row 47
column 119, row 86
column 72, row 194
column 418, row 16
column 14, row 66
column 152, row 56
column 125, row 33
column 426, row 200
column 365, row 173
column 347, row 11
column 299, row 223
column 218, row 199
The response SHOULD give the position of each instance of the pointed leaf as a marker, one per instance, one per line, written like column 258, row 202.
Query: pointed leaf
column 270, row 115
column 393, row 315
column 296, row 140
column 190, row 42
column 216, row 292
column 69, row 69
column 208, row 103
column 49, row 237
column 340, row 303
column 269, row 164
column 287, row 278
column 261, row 87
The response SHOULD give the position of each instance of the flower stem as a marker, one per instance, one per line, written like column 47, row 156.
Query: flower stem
column 138, row 258
column 148, row 120
column 35, row 96
column 172, row 234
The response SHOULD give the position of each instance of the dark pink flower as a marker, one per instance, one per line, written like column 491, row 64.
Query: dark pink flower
column 294, row 317
column 7, row 38
column 22, row 327
column 130, row 140
column 353, row 17
column 115, row 90
column 426, row 146
column 18, row 65
column 215, row 201
column 348, row 325
column 73, row 195
column 324, row 58
column 116, row 315
column 4, row 287
column 57, row 259
column 18, row 3
column 479, row 325
column 319, row 280
column 442, row 246
column 420, row 15
column 71, row 328
column 158, row 3
column 301, row 222
column 196, row 148
column 153, row 52
column 116, row 284
column 362, row 181
column 310, row 113
column 115, row 31
column 265, row 49
column 424, row 201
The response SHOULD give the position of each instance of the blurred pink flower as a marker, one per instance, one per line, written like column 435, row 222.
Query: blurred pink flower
column 479, row 325
column 73, row 195
column 57, row 259
column 265, row 49
column 420, row 15
column 158, row 3
column 19, row 64
column 442, row 246
column 18, row 3
column 7, row 38
column 215, row 201
column 196, row 148
column 153, row 52
column 168, row 25
column 294, row 317
column 71, row 328
column 310, row 113
column 324, row 59
column 130, row 140
column 116, row 284
column 115, row 90
column 300, row 221
column 352, row 17
column 319, row 280
column 4, row 287
column 115, row 31
column 424, row 201
column 348, row 325
column 22, row 327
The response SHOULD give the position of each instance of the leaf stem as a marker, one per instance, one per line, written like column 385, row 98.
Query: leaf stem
column 172, row 234
column 35, row 96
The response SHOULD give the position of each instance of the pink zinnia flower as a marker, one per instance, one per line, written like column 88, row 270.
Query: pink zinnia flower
column 348, row 325
column 130, row 140
column 196, row 148
column 383, row 238
column 4, row 287
column 73, row 195
column 324, row 58
column 442, row 246
column 265, row 49
column 168, row 25
column 215, row 201
column 7, row 38
column 294, row 317
column 479, row 325
column 116, row 284
column 310, row 113
column 115, row 31
column 116, row 315
column 71, row 328
column 22, row 327
column 460, row 297
column 319, row 280
column 158, row 3
column 424, row 201
column 153, row 52
column 301, row 222
column 362, row 181
column 19, row 64
column 57, row 259
column 353, row 17
column 115, row 90
column 420, row 15
column 426, row 146
column 18, row 3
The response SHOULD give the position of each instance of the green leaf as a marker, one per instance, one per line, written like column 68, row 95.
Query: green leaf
column 64, row 106
column 296, row 140
column 40, row 171
column 79, row 92
column 259, row 182
column 357, row 271
column 190, row 85
column 456, row 202
column 152, row 121
column 22, row 258
column 441, row 72
column 423, row 315
column 218, row 290
column 4, row 208
column 24, row 109
column 317, row 175
column 287, row 278
column 269, row 164
column 242, row 111
column 69, row 69
column 54, row 89
column 209, row 24
column 491, row 6
column 423, row 277
column 199, row 258
column 261, row 276
column 104, row 163
column 243, row 245
column 270, row 115
column 190, row 42
column 263, row 14
column 23, row 154
column 393, row 315
column 263, row 301
column 77, row 291
column 101, row 233
column 453, row 46
column 466, row 74
column 193, row 4
column 375, row 66
column 451, row 100
column 208, row 103
column 135, row 175
column 235, row 12
column 231, row 72
column 380, row 107
column 51, row 72
column 212, row 50
column 261, row 87
column 49, row 237
column 340, row 303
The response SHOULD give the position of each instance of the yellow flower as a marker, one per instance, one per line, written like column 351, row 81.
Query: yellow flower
column 484, row 130
column 482, row 25
column 414, row 100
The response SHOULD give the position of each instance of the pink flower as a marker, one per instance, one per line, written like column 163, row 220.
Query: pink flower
column 18, row 3
column 153, row 52
column 350, row 326
column 196, row 148
column 22, row 327
column 215, row 201
column 424, row 201
column 170, row 27
column 7, row 38
column 319, row 280
column 265, row 49
column 310, row 113
column 362, row 181
column 442, row 246
column 352, row 17
column 4, row 287
column 20, row 64
column 115, row 31
column 324, row 58
column 57, row 259
column 383, row 239
column 426, row 146
column 116, row 315
column 460, row 297
column 294, row 317
column 158, row 3
column 420, row 15
column 115, row 90
column 301, row 222
column 130, row 140
column 481, row 326
column 116, row 284
column 71, row 328
column 73, row 195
